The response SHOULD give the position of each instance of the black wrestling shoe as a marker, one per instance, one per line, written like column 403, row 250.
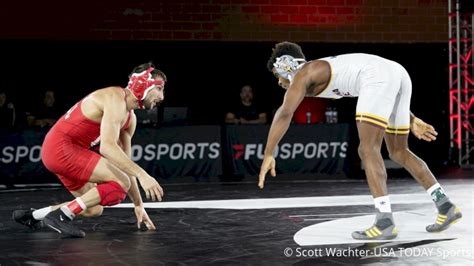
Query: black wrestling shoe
column 62, row 224
column 25, row 217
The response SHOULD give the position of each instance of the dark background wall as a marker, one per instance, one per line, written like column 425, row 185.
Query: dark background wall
column 229, row 20
column 209, row 49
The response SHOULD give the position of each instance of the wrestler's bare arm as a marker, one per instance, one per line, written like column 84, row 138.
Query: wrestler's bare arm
column 112, row 118
column 113, row 115
column 126, row 144
column 126, row 136
column 293, row 97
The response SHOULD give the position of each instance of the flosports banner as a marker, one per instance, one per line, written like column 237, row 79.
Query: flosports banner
column 194, row 153
column 304, row 149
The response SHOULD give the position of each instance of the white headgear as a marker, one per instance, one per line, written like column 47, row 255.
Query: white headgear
column 287, row 66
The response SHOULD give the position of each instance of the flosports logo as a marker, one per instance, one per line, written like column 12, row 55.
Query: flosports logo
column 176, row 151
column 239, row 150
column 285, row 151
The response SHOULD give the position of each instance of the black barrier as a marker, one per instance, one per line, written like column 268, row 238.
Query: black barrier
column 195, row 153
column 304, row 149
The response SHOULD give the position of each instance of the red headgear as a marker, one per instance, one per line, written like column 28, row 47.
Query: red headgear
column 141, row 83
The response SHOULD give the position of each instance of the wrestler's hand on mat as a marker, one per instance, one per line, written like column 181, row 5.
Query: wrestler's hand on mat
column 151, row 187
column 142, row 217
column 422, row 130
column 268, row 164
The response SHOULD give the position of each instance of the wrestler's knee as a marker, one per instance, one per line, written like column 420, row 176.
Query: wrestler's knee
column 111, row 193
column 107, row 172
column 365, row 151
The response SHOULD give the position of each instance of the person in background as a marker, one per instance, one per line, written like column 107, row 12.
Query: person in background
column 47, row 113
column 246, row 111
column 7, row 112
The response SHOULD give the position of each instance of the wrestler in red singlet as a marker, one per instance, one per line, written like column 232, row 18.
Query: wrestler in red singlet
column 67, row 147
column 106, row 177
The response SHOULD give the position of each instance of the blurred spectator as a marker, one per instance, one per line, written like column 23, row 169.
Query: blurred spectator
column 47, row 113
column 7, row 112
column 246, row 111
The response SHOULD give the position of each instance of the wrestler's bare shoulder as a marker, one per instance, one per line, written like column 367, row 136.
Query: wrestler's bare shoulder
column 316, row 65
column 319, row 71
column 93, row 104
column 108, row 91
column 100, row 95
